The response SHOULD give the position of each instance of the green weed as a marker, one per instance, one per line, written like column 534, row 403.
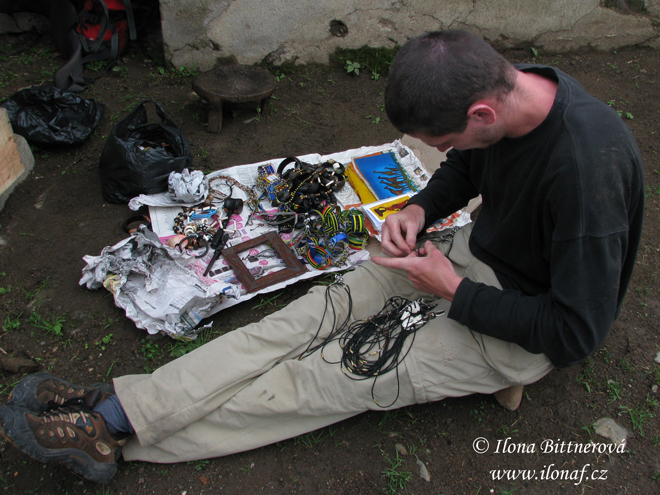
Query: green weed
column 507, row 430
column 652, row 191
column 54, row 327
column 588, row 376
column 590, row 429
column 397, row 478
column 180, row 348
column 6, row 78
column 96, row 65
column 120, row 70
column 104, row 341
column 638, row 417
column 199, row 465
column 151, row 352
column 314, row 437
column 375, row 60
column 11, row 322
column 268, row 301
column 614, row 390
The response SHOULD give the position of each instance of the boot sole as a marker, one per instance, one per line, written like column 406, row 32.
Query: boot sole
column 24, row 394
column 17, row 432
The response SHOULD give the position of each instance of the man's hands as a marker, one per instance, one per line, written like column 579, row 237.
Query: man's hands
column 428, row 270
column 400, row 231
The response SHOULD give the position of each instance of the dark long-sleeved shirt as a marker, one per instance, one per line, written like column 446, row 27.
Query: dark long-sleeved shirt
column 560, row 225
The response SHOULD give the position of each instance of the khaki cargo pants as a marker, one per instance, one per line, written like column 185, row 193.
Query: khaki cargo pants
column 247, row 389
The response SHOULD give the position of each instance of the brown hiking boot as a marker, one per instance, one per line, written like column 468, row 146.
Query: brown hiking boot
column 72, row 435
column 43, row 391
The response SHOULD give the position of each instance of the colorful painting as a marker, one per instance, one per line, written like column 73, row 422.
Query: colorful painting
column 383, row 209
column 384, row 175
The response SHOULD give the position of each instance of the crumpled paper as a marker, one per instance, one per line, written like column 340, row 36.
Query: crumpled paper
column 187, row 187
column 160, row 289
column 183, row 189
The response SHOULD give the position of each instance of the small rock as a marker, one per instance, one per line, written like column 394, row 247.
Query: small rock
column 657, row 357
column 27, row 20
column 423, row 472
column 401, row 449
column 608, row 428
column 654, row 388
column 14, row 364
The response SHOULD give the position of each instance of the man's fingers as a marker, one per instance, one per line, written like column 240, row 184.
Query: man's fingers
column 398, row 263
column 392, row 241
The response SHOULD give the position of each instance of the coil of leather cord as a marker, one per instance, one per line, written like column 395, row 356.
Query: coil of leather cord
column 308, row 186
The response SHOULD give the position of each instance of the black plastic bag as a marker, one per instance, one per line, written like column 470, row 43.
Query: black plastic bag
column 47, row 115
column 139, row 156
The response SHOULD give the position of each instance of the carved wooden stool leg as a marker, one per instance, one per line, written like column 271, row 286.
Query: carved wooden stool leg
column 215, row 117
column 265, row 106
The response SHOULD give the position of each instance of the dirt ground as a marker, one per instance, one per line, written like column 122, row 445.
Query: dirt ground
column 58, row 215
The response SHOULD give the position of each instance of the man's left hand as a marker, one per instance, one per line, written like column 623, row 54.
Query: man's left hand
column 429, row 270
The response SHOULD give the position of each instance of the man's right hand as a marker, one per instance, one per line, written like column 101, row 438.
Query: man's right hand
column 400, row 230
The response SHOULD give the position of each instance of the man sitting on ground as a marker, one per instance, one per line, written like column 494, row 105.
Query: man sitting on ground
column 535, row 283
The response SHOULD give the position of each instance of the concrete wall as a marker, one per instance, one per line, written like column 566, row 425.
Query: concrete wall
column 197, row 33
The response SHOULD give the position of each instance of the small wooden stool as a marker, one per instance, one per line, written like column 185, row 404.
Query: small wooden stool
column 235, row 84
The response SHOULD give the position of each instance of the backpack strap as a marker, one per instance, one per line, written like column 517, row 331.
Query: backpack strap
column 83, row 50
column 132, row 30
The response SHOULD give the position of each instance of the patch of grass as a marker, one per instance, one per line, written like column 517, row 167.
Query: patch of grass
column 96, row 65
column 268, row 301
column 104, row 341
column 314, row 437
column 588, row 376
column 120, row 70
column 397, row 478
column 638, row 416
column 382, row 418
column 6, row 78
column 375, row 120
column 376, row 61
column 30, row 295
column 614, row 389
column 181, row 347
column 652, row 191
column 590, row 429
column 11, row 322
column 199, row 465
column 151, row 352
column 53, row 327
column 507, row 430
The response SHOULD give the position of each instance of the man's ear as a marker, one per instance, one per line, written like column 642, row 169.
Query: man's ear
column 483, row 112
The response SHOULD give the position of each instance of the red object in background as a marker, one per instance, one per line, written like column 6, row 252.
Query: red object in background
column 92, row 26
